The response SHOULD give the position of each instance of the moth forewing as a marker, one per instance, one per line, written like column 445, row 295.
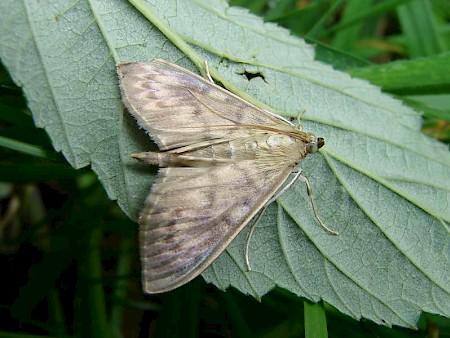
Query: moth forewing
column 222, row 160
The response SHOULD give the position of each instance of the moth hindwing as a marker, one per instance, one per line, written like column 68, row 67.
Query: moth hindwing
column 222, row 159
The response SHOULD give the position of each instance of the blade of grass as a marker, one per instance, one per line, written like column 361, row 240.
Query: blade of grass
column 346, row 39
column 315, row 321
column 421, row 76
column 94, row 304
column 27, row 148
column 122, row 284
column 420, row 29
column 370, row 12
column 319, row 26
column 428, row 111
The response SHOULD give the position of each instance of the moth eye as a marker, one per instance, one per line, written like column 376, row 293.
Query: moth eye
column 312, row 147
column 320, row 142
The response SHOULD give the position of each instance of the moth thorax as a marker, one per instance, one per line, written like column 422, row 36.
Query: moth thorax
column 278, row 140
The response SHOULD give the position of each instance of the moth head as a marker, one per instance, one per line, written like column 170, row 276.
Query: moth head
column 314, row 144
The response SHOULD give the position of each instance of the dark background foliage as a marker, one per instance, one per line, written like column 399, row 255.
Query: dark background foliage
column 69, row 257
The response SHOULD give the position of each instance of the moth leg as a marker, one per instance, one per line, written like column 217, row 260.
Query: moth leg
column 316, row 214
column 208, row 74
column 250, row 233
column 274, row 198
column 298, row 176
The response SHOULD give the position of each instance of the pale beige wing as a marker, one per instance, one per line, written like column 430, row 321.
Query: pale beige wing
column 193, row 213
column 179, row 108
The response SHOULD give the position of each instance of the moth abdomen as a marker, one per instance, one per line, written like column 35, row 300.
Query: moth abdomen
column 166, row 159
column 153, row 158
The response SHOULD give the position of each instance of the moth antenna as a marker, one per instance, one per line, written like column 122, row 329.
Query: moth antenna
column 299, row 116
column 208, row 74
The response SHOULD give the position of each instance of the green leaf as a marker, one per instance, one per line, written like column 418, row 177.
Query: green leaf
column 419, row 76
column 378, row 181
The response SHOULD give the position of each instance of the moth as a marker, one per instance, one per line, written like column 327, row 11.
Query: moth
column 222, row 161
